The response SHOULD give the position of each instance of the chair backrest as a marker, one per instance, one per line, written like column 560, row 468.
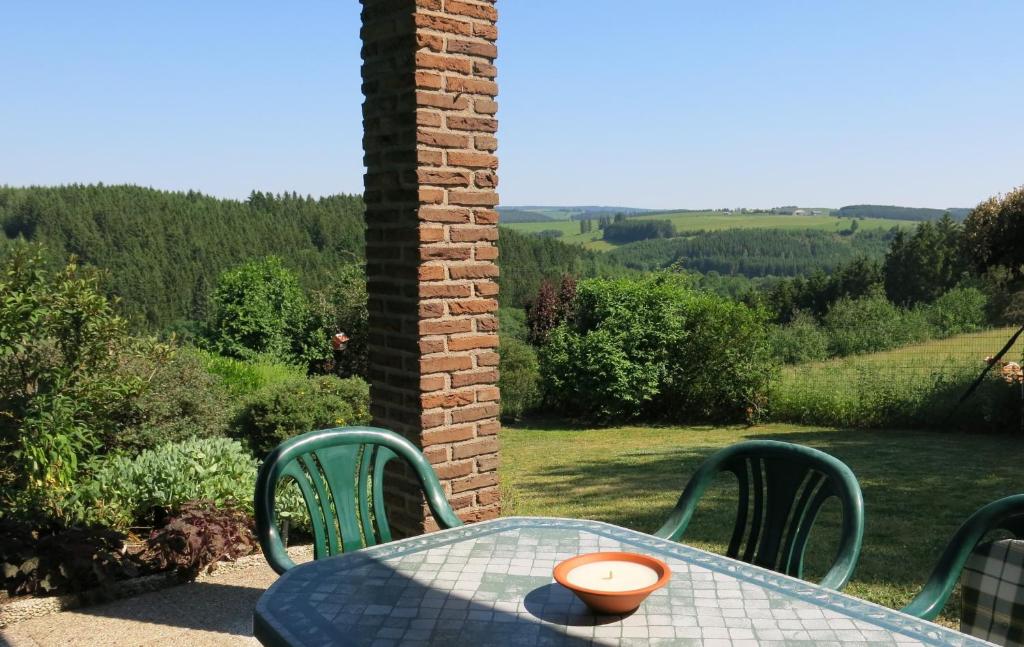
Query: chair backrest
column 340, row 473
column 782, row 487
column 992, row 588
column 1006, row 514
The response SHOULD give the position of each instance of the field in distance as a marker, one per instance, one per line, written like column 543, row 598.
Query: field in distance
column 708, row 221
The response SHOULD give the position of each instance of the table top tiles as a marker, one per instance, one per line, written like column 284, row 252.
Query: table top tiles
column 490, row 584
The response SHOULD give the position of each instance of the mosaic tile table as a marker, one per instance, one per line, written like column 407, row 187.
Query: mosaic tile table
column 490, row 584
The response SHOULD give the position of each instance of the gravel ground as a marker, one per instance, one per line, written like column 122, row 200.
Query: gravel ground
column 215, row 610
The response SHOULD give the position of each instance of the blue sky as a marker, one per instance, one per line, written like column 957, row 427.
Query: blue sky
column 670, row 104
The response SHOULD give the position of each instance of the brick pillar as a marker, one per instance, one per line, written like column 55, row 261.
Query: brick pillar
column 431, row 244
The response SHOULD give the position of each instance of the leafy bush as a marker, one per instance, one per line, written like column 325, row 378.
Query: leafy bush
column 654, row 348
column 60, row 392
column 200, row 535
column 51, row 558
column 801, row 340
column 257, row 309
column 177, row 400
column 341, row 307
column 244, row 378
column 961, row 310
column 122, row 492
column 519, row 379
column 285, row 410
column 872, row 323
column 512, row 323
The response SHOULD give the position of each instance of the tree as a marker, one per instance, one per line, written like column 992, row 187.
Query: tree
column 994, row 233
column 258, row 308
column 549, row 309
column 921, row 267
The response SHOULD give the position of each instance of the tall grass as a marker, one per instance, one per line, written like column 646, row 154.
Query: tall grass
column 244, row 378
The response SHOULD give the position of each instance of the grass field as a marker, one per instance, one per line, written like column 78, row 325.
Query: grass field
column 708, row 221
column 915, row 386
column 918, row 487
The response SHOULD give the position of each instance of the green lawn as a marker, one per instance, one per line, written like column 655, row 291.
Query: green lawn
column 709, row 221
column 918, row 487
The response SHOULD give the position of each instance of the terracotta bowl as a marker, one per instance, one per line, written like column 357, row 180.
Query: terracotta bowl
column 617, row 602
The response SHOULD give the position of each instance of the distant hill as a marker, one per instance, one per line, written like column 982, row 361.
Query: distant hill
column 164, row 250
column 899, row 213
column 518, row 214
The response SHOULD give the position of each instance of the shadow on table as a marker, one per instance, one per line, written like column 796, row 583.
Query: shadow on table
column 555, row 604
column 368, row 601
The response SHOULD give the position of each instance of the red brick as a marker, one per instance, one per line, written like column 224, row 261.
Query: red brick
column 487, row 462
column 428, row 346
column 443, row 178
column 486, row 324
column 471, row 86
column 430, row 41
column 484, row 69
column 429, row 118
column 471, row 47
column 441, row 100
column 490, row 428
column 448, row 435
column 432, row 383
column 442, row 140
column 431, row 273
column 486, row 143
column 472, row 160
column 486, row 288
column 431, row 310
column 475, row 482
column 430, row 195
column 473, row 234
column 445, row 63
column 487, row 359
column 471, row 414
column 487, row 394
column 472, row 9
column 431, row 234
column 439, row 454
column 489, row 32
column 475, row 124
column 440, row 23
column 472, row 306
column 488, row 496
column 430, row 81
column 476, row 271
column 485, row 180
column 472, row 342
column 485, row 106
column 431, row 420
column 445, row 365
column 473, row 198
column 445, row 327
column 454, row 470
column 486, row 376
column 444, row 214
column 486, row 217
column 446, row 290
column 445, row 252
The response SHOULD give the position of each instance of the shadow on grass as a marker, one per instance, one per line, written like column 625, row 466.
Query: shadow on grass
column 918, row 487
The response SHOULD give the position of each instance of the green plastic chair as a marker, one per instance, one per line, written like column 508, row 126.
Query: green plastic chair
column 1005, row 514
column 785, row 485
column 340, row 473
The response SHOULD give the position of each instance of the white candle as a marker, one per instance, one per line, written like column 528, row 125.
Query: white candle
column 612, row 576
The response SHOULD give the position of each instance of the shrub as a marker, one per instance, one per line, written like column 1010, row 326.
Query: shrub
column 801, row 340
column 285, row 410
column 52, row 558
column 961, row 310
column 122, row 492
column 519, row 379
column 200, row 535
column 512, row 323
column 654, row 348
column 872, row 323
column 59, row 389
column 342, row 308
column 177, row 400
column 257, row 309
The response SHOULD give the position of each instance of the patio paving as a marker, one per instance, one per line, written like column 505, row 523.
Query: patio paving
column 214, row 611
